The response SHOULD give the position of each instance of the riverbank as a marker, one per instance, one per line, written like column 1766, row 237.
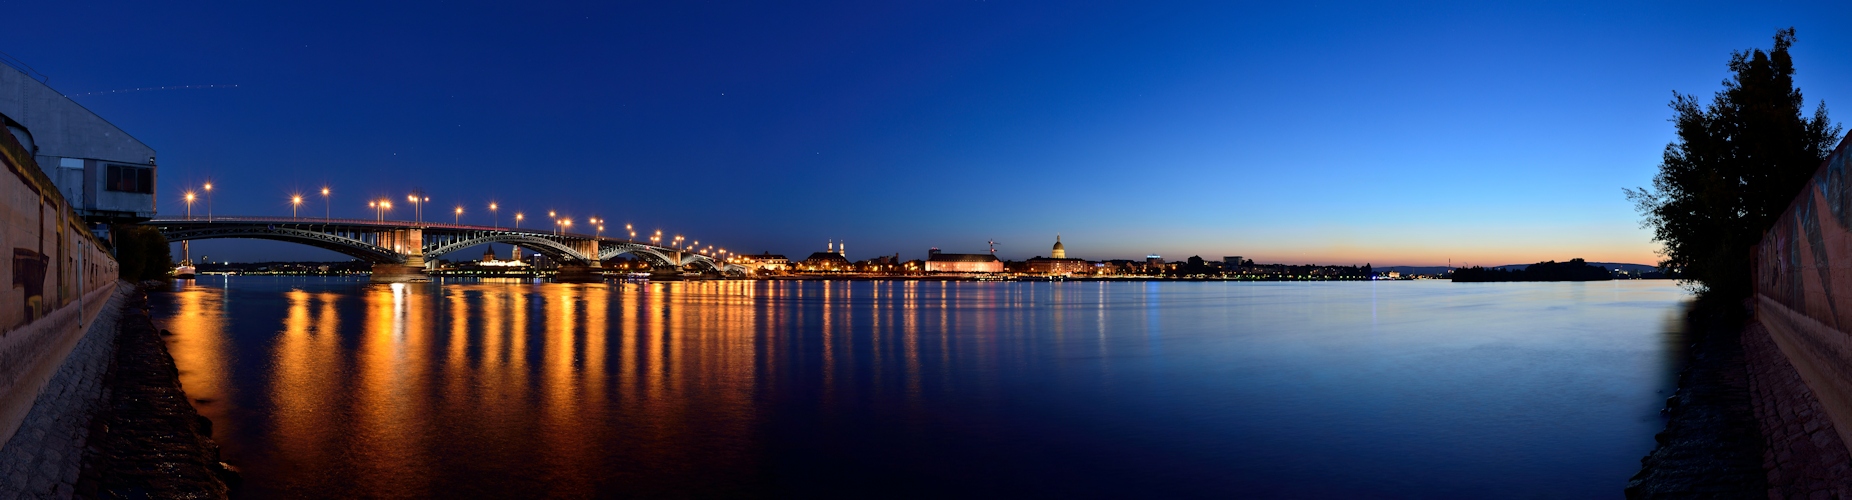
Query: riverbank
column 147, row 440
column 1742, row 423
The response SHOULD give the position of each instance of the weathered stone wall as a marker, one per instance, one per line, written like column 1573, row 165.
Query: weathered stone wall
column 1804, row 287
column 58, row 276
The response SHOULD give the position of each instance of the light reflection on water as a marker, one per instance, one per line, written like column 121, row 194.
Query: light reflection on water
column 331, row 387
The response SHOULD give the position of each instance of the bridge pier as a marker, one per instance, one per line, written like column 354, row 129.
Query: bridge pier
column 400, row 273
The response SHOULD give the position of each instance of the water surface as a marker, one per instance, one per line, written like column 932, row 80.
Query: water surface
column 334, row 387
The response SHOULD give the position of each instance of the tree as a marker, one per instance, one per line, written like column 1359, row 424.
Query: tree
column 1733, row 169
column 142, row 254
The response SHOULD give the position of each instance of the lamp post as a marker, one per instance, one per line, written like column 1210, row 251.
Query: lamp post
column 189, row 205
column 295, row 202
column 517, row 220
column 208, row 202
column 374, row 206
column 458, row 220
column 494, row 216
column 327, row 210
column 633, row 233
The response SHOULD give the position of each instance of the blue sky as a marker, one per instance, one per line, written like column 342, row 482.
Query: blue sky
column 1328, row 133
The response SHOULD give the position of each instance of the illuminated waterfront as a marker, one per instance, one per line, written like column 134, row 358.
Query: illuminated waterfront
column 334, row 387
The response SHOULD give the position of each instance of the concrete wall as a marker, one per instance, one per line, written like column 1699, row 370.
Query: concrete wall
column 58, row 277
column 1803, row 279
column 61, row 130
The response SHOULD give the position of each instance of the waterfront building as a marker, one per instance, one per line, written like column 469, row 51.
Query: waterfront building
column 105, row 174
column 764, row 262
column 937, row 262
column 881, row 264
column 829, row 260
column 1056, row 263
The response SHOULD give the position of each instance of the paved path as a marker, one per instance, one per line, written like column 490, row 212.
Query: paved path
column 44, row 457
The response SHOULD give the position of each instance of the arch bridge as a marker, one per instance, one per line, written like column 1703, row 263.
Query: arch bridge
column 399, row 250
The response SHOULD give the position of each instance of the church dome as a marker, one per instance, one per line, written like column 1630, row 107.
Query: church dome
column 1060, row 251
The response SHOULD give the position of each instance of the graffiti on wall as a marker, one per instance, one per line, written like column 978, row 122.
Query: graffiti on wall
column 1804, row 262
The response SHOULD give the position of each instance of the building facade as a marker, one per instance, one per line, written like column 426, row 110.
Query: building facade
column 104, row 173
column 937, row 262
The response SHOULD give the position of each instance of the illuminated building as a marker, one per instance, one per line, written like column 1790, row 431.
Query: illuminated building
column 763, row 262
column 937, row 262
column 831, row 260
column 1057, row 262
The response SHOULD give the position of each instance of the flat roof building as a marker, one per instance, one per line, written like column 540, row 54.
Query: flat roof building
column 103, row 172
column 937, row 262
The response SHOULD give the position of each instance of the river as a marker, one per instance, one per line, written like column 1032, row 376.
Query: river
column 332, row 387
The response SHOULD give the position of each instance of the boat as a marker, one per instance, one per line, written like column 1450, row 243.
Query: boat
column 185, row 271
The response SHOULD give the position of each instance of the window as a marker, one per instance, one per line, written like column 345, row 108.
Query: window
column 130, row 179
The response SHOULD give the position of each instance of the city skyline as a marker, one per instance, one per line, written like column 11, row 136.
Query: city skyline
column 1479, row 134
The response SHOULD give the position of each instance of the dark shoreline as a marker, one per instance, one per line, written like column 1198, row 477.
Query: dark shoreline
column 148, row 441
column 1712, row 444
column 1743, row 422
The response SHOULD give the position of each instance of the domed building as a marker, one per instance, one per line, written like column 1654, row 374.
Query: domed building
column 1057, row 262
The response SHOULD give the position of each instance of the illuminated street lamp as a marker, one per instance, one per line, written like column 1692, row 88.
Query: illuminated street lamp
column 295, row 201
column 517, row 219
column 633, row 233
column 327, row 210
column 374, row 205
column 208, row 202
column 189, row 205
column 495, row 217
column 458, row 220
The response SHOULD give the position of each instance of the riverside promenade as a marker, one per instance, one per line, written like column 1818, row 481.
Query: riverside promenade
column 113, row 420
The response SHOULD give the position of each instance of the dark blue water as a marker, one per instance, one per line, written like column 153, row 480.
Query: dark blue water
column 329, row 387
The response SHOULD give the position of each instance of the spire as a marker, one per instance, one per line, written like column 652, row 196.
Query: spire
column 843, row 249
column 832, row 245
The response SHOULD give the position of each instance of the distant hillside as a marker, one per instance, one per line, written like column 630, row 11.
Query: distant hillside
column 1631, row 268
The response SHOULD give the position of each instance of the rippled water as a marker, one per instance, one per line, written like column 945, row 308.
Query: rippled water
column 331, row 387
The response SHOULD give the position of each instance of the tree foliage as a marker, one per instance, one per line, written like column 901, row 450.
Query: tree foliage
column 1574, row 270
column 1733, row 169
column 142, row 254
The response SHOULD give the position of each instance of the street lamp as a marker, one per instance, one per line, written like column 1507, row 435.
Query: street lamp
column 374, row 205
column 517, row 219
column 327, row 210
column 494, row 216
column 633, row 233
column 189, row 205
column 458, row 220
column 295, row 201
column 208, row 202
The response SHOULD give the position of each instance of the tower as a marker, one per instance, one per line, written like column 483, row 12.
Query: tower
column 1060, row 252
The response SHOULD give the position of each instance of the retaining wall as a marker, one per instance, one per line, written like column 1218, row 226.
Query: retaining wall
column 59, row 275
column 1803, row 279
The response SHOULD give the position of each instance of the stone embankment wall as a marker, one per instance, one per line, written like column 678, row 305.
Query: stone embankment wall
column 1803, row 279
column 59, row 277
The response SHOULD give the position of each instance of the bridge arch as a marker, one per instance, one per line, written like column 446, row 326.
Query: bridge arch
column 647, row 253
column 546, row 246
column 346, row 246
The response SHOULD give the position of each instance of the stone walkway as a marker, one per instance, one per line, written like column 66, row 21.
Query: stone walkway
column 44, row 458
column 1804, row 457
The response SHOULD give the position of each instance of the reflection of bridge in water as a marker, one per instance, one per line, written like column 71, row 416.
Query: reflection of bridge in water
column 398, row 249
